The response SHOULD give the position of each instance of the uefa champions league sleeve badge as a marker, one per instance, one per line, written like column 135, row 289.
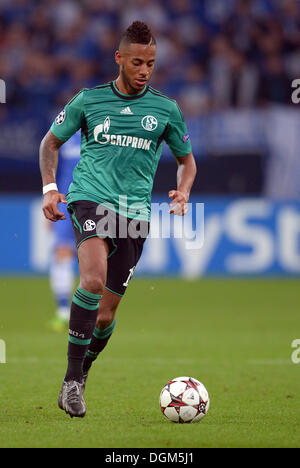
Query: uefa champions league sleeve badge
column 61, row 117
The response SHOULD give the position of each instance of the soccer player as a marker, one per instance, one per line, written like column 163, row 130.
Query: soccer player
column 62, row 265
column 123, row 125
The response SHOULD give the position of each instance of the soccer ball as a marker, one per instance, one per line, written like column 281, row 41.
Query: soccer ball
column 184, row 400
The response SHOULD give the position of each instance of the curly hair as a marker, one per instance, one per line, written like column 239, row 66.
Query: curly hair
column 138, row 33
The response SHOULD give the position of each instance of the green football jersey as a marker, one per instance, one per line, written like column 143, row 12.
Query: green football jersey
column 121, row 144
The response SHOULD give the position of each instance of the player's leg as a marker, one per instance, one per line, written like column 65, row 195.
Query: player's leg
column 104, row 328
column 121, row 265
column 92, row 257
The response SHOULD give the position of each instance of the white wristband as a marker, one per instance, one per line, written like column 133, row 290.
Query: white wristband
column 49, row 187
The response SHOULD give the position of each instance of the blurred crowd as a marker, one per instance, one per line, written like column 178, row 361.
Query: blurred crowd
column 212, row 54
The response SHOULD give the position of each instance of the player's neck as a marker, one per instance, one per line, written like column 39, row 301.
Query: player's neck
column 125, row 87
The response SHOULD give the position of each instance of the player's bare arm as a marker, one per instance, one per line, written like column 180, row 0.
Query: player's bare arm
column 186, row 174
column 48, row 165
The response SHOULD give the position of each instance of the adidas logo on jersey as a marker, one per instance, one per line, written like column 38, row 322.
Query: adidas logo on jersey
column 127, row 111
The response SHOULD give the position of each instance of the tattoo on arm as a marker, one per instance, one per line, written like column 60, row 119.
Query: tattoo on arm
column 49, row 157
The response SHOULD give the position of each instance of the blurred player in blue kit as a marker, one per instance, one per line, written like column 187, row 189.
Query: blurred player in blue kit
column 62, row 264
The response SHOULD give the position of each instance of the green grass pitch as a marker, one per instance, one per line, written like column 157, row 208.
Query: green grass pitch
column 233, row 335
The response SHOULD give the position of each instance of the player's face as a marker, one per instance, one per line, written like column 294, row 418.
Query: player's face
column 136, row 65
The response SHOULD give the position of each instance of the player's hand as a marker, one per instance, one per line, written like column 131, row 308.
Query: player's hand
column 50, row 208
column 179, row 202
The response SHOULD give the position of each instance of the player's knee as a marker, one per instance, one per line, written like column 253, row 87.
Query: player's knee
column 93, row 284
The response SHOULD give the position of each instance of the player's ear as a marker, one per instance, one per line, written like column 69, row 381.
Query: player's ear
column 118, row 57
